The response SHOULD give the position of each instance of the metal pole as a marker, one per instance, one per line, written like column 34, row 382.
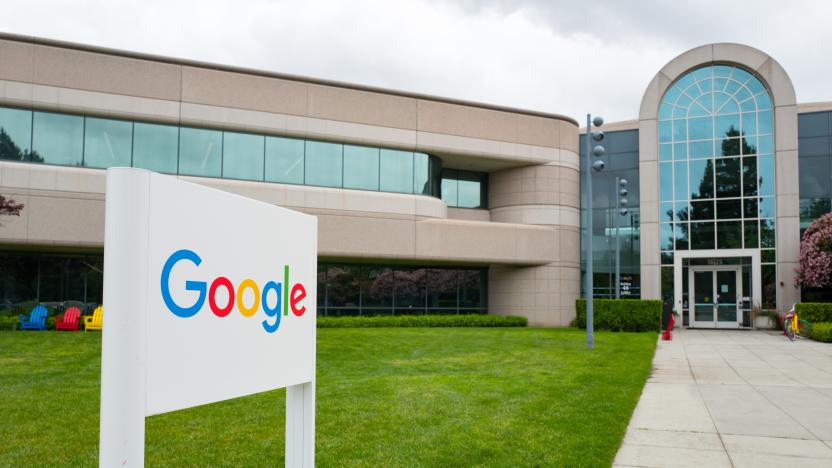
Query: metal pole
column 590, row 339
column 617, row 244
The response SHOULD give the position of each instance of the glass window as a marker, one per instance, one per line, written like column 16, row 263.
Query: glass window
column 242, row 156
column 410, row 291
column 682, row 211
column 725, row 115
column 361, row 167
column 701, row 178
column 750, row 207
column 665, row 152
column 666, row 181
column 701, row 128
column 58, row 138
column 470, row 191
column 767, row 233
column 108, row 143
column 681, row 230
column 15, row 134
column 749, row 176
column 680, row 151
column 396, row 171
column 324, row 164
column 729, row 234
column 156, row 147
column 728, row 179
column 767, row 207
column 769, row 286
column 200, row 152
column 765, row 174
column 702, row 235
column 729, row 209
column 680, row 182
column 421, row 174
column 666, row 212
column 751, row 234
column 284, row 160
column 702, row 210
column 378, row 285
column 815, row 175
column 449, row 191
column 666, row 236
column 701, row 149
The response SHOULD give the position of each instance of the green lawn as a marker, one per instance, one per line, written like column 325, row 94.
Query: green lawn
column 385, row 397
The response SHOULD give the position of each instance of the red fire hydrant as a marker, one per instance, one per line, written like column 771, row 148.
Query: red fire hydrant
column 667, row 334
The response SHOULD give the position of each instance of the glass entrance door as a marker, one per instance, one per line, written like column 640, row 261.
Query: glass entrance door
column 716, row 296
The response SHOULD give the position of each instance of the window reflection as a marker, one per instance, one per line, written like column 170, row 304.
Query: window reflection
column 351, row 289
column 361, row 167
column 16, row 135
column 73, row 140
column 200, row 152
column 242, row 156
column 156, row 147
column 464, row 189
column 58, row 138
column 107, row 143
column 324, row 163
column 725, row 112
column 284, row 160
column 396, row 171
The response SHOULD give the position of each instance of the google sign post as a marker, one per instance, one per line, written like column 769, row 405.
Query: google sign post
column 207, row 296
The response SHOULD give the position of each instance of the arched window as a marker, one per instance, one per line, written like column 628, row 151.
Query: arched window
column 716, row 163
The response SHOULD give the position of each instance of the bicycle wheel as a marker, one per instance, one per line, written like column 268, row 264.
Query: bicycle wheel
column 787, row 328
column 804, row 328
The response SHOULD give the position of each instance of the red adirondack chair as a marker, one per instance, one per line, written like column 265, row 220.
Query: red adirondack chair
column 69, row 320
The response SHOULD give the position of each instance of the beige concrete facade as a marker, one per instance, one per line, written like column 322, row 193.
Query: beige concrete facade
column 787, row 229
column 528, row 237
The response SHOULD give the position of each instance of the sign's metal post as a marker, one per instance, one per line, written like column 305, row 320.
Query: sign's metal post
column 300, row 425
column 124, row 340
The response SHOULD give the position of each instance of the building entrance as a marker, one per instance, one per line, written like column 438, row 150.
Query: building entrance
column 717, row 296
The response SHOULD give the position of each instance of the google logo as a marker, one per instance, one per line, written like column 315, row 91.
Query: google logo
column 288, row 298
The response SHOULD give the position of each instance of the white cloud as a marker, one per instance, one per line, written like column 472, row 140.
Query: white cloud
column 542, row 55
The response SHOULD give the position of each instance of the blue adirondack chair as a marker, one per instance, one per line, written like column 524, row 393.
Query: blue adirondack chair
column 36, row 321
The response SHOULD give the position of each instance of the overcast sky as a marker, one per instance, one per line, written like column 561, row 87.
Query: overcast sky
column 554, row 56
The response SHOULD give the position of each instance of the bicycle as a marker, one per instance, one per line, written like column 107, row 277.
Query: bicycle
column 793, row 326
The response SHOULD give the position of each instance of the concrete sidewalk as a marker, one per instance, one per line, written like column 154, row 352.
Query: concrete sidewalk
column 733, row 398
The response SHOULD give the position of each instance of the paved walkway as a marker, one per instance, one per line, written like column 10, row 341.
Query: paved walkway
column 733, row 398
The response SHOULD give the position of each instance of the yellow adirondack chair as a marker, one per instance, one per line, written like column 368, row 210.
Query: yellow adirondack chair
column 94, row 322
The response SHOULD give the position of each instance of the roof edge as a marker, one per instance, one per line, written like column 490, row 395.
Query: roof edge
column 269, row 74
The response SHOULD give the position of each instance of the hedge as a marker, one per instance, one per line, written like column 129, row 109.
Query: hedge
column 822, row 331
column 390, row 321
column 815, row 312
column 621, row 314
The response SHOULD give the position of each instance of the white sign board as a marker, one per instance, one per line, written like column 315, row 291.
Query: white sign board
column 207, row 296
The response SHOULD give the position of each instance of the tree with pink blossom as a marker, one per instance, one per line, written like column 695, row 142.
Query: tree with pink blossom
column 816, row 254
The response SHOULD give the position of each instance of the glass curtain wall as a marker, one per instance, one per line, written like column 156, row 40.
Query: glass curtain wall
column 353, row 289
column 622, row 161
column 815, row 181
column 464, row 189
column 716, row 168
column 74, row 140
column 28, row 278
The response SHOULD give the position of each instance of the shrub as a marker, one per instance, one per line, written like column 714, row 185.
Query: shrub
column 814, row 312
column 822, row 332
column 816, row 254
column 622, row 314
column 390, row 321
column 9, row 323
